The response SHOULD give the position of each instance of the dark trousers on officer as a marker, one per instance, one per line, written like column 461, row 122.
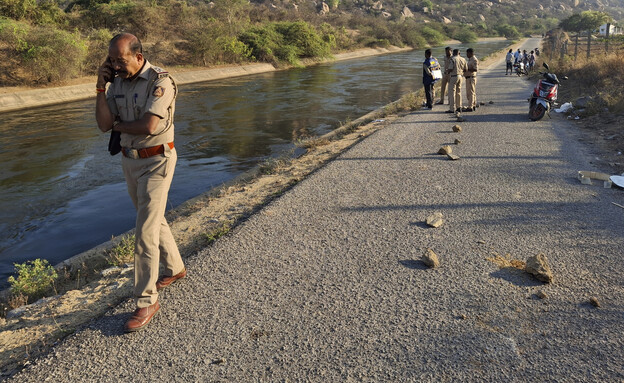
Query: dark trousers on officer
column 429, row 93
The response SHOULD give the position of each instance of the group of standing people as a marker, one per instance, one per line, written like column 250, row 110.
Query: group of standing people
column 455, row 71
column 523, row 61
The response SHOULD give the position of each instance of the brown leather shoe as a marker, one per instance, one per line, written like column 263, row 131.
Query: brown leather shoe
column 141, row 317
column 164, row 281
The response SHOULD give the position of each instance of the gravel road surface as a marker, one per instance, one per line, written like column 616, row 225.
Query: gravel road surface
column 325, row 284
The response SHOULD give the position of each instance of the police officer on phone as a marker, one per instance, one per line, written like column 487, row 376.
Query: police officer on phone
column 139, row 104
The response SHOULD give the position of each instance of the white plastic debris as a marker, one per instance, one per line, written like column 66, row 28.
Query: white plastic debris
column 586, row 176
column 618, row 180
column 565, row 108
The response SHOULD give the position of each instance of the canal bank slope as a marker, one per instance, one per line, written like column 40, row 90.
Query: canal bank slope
column 32, row 98
column 326, row 283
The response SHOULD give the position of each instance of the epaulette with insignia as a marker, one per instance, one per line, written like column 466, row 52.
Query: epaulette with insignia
column 161, row 72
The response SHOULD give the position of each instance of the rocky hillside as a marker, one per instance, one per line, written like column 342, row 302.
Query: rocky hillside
column 520, row 13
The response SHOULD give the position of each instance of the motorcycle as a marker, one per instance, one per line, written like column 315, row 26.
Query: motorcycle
column 520, row 69
column 544, row 95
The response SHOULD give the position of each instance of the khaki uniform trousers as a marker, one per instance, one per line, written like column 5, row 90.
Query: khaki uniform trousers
column 148, row 181
column 444, row 85
column 454, row 93
column 471, row 94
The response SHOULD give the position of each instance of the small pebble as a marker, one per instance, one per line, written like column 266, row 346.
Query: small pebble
column 594, row 302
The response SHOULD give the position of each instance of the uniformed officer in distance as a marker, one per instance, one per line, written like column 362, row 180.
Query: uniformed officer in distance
column 457, row 67
column 140, row 103
column 471, row 80
column 446, row 77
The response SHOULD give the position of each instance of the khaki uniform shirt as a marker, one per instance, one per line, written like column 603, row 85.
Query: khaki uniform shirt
column 152, row 91
column 457, row 65
column 472, row 66
column 447, row 59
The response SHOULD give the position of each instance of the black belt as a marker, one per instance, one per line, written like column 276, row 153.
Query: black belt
column 467, row 76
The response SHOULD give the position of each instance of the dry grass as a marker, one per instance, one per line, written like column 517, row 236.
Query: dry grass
column 600, row 76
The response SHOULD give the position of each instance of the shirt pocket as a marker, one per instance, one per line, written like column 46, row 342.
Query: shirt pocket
column 122, row 107
column 138, row 105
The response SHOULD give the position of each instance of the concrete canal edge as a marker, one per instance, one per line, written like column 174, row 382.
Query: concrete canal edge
column 59, row 95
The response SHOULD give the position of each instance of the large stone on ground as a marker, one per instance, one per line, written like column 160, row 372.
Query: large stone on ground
column 537, row 265
column 406, row 12
column 435, row 220
column 446, row 149
column 324, row 8
column 430, row 259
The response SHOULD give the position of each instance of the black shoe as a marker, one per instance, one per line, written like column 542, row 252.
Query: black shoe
column 448, row 111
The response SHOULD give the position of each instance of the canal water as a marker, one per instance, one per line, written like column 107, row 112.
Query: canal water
column 61, row 193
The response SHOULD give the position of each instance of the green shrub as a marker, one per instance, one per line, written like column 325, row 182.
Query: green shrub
column 465, row 35
column 14, row 33
column 212, row 44
column 49, row 54
column 123, row 252
column 34, row 279
column 97, row 49
column 39, row 12
column 42, row 54
column 304, row 37
column 285, row 42
column 508, row 31
column 433, row 36
column 263, row 42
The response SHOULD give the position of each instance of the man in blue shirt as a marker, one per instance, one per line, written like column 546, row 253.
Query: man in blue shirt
column 429, row 65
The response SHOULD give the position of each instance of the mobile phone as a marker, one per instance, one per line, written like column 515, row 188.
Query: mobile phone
column 109, row 63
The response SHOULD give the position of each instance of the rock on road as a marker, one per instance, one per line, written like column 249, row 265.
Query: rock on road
column 324, row 284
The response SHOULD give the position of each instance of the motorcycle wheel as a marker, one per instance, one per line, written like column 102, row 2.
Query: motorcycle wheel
column 536, row 112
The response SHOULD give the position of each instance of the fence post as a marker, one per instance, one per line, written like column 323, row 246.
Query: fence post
column 576, row 45
column 588, row 43
column 607, row 38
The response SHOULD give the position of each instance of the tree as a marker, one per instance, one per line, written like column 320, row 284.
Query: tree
column 508, row 31
column 585, row 21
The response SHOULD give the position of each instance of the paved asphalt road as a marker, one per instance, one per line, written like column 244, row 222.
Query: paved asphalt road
column 325, row 283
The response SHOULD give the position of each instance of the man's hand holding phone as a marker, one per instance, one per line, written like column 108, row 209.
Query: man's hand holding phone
column 106, row 73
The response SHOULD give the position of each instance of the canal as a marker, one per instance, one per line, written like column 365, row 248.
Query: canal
column 61, row 193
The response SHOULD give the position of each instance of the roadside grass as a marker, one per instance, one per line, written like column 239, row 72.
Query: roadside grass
column 34, row 279
column 599, row 77
column 274, row 164
column 217, row 233
column 123, row 252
